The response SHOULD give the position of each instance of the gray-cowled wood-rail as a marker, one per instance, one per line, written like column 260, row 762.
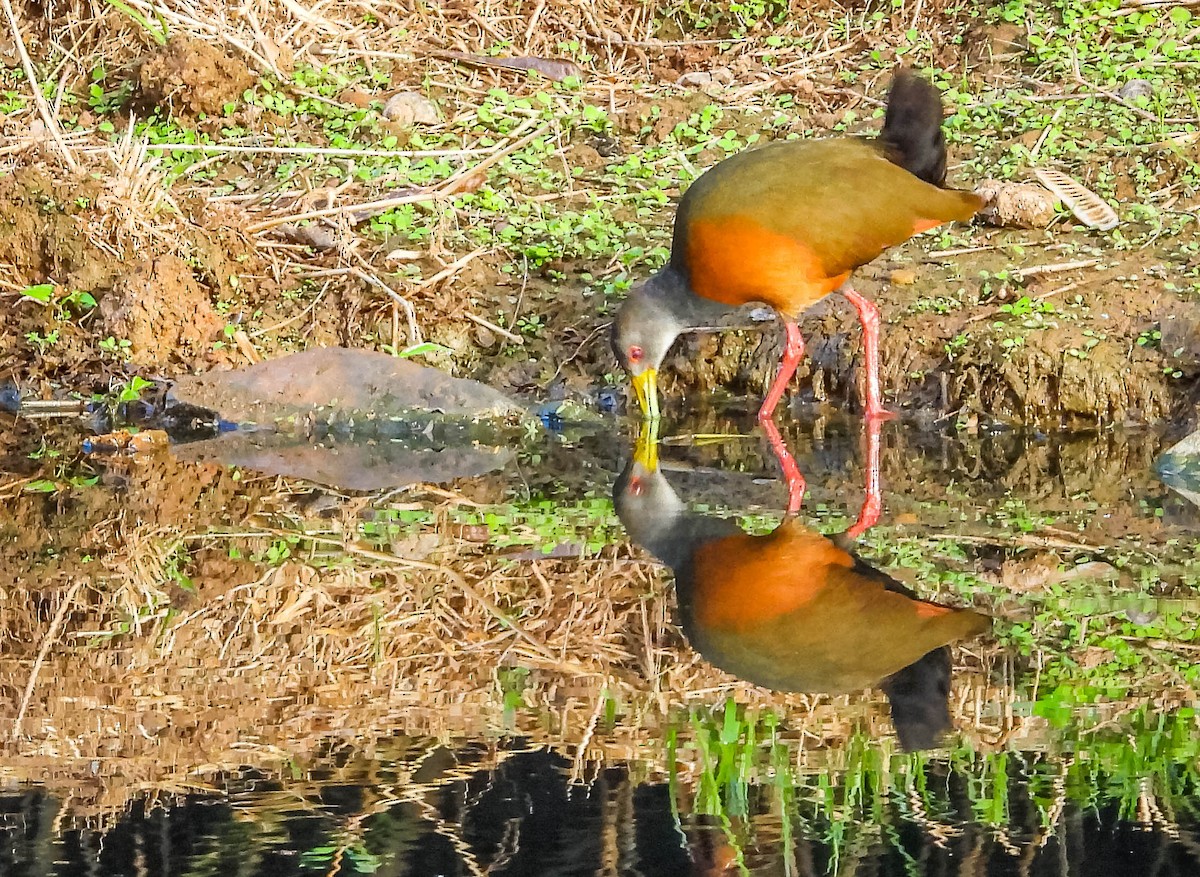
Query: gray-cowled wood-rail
column 786, row 224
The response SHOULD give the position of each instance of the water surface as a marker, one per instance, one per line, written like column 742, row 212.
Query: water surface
column 219, row 669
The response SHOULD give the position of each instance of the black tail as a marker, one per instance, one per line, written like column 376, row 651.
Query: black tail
column 912, row 128
column 920, row 699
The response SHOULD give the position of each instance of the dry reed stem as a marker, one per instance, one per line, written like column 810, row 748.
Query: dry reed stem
column 325, row 151
column 47, row 643
column 49, row 118
column 447, row 189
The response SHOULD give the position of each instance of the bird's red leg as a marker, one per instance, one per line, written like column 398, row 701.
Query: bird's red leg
column 872, row 505
column 868, row 315
column 791, row 472
column 793, row 352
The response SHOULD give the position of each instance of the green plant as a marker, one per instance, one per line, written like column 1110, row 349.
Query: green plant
column 531, row 324
column 107, row 101
column 957, row 345
column 42, row 342
column 116, row 347
column 132, row 390
column 596, row 119
column 65, row 306
column 425, row 348
column 157, row 32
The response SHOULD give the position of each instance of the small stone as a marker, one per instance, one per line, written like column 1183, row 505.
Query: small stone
column 410, row 108
column 903, row 277
column 608, row 399
column 1141, row 614
column 1135, row 88
column 706, row 79
column 484, row 337
column 1179, row 325
column 1016, row 205
column 355, row 97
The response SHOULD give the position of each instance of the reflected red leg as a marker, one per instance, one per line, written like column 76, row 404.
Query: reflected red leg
column 793, row 352
column 791, row 472
column 868, row 315
column 872, row 505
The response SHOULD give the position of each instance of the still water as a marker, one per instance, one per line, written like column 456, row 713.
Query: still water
column 587, row 654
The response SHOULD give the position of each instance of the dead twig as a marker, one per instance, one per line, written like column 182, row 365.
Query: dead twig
column 47, row 643
column 499, row 330
column 448, row 189
column 35, row 87
column 1026, row 273
column 327, row 151
column 414, row 331
column 500, row 615
column 452, row 269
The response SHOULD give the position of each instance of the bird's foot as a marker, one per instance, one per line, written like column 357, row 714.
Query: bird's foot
column 868, row 516
column 878, row 413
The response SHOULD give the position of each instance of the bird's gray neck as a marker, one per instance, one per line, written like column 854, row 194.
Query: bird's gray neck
column 660, row 522
column 671, row 291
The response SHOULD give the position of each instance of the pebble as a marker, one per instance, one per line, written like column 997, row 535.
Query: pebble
column 10, row 398
column 608, row 400
column 484, row 337
column 1136, row 88
column 410, row 108
column 1016, row 205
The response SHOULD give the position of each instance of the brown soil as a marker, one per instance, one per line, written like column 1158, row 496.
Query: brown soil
column 191, row 78
column 158, row 292
column 159, row 305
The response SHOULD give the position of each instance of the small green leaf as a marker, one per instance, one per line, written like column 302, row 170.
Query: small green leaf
column 42, row 293
column 422, row 349
column 732, row 728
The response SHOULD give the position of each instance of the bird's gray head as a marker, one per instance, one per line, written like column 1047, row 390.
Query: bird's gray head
column 643, row 498
column 645, row 328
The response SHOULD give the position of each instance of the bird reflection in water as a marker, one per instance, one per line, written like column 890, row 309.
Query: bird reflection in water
column 795, row 610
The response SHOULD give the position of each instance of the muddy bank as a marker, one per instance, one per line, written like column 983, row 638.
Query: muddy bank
column 103, row 299
column 159, row 274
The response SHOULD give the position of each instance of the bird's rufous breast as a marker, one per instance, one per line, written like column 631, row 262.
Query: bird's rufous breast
column 735, row 260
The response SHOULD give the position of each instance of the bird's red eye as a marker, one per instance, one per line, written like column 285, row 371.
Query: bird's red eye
column 635, row 487
column 635, row 353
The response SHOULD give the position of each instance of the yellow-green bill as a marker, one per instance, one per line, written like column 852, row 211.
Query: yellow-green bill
column 645, row 452
column 645, row 386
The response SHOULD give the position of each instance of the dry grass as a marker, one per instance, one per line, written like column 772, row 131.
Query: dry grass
column 635, row 50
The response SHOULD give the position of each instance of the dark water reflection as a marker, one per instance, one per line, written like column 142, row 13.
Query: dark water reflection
column 524, row 817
